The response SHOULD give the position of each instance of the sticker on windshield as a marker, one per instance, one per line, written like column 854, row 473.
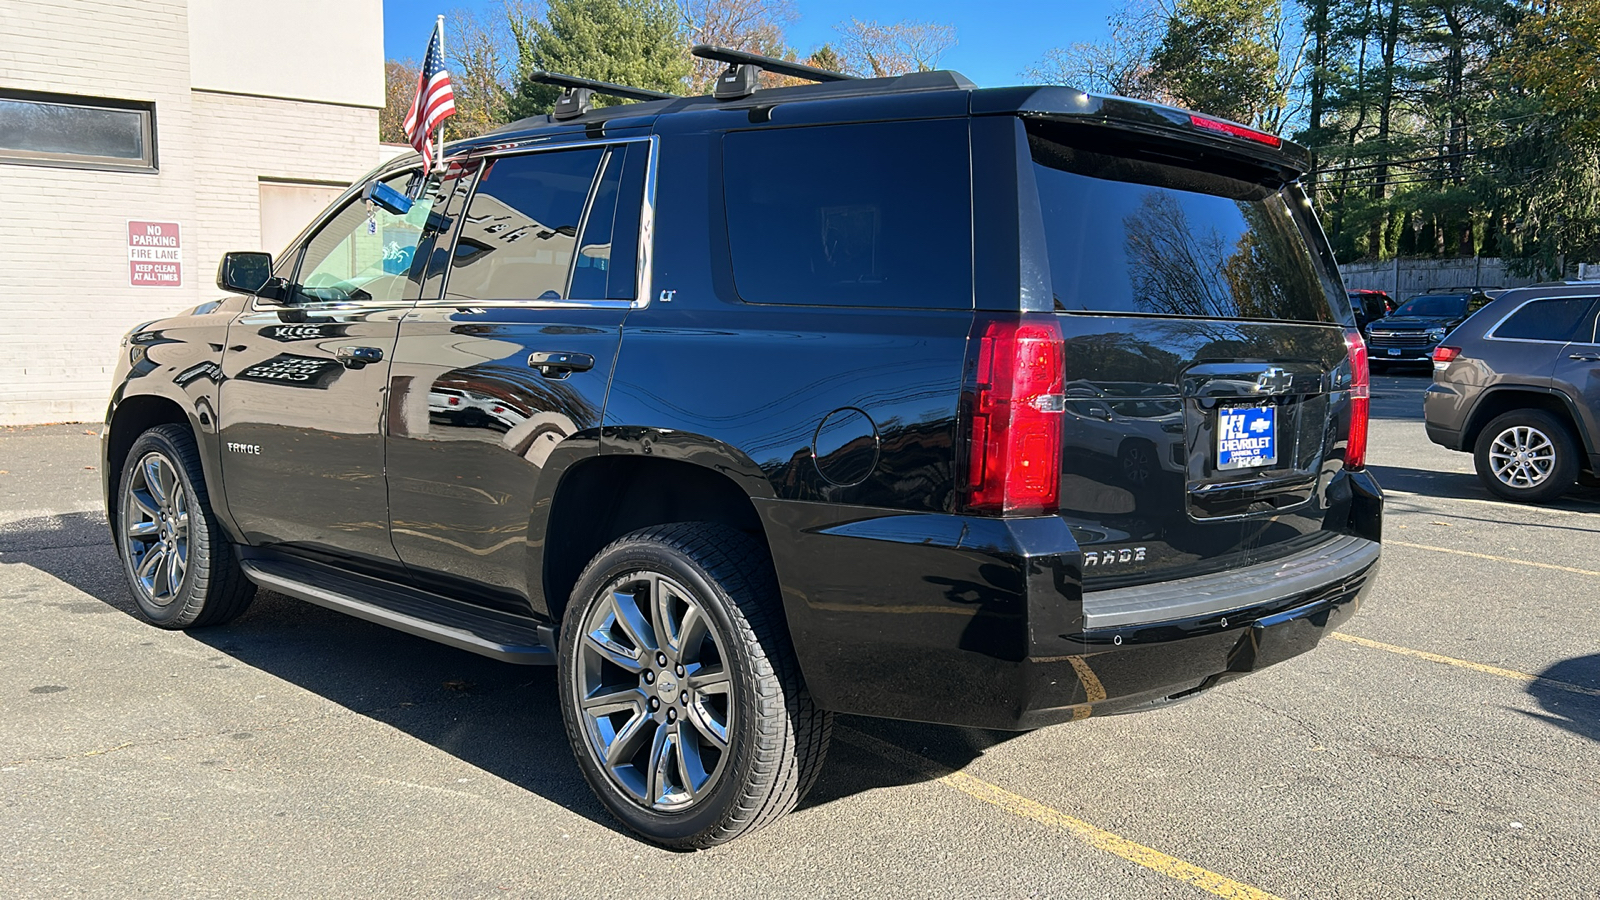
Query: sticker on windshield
column 1247, row 437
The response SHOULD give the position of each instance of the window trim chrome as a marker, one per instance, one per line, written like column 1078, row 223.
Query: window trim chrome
column 644, row 270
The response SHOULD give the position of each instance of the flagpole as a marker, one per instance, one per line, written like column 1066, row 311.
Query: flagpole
column 440, row 157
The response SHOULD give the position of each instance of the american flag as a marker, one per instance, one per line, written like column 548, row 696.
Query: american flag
column 435, row 99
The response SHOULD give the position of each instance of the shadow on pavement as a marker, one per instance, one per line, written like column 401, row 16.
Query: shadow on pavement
column 1467, row 486
column 1577, row 713
column 501, row 718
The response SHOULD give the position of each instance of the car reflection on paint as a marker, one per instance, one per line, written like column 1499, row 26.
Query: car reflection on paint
column 466, row 409
column 1143, row 433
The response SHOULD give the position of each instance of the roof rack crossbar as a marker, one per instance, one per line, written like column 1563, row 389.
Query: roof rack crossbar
column 576, row 92
column 740, row 79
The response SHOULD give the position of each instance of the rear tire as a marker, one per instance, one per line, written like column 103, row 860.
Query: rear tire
column 178, row 560
column 721, row 739
column 1527, row 456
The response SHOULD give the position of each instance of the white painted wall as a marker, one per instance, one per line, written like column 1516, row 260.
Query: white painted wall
column 65, row 300
column 330, row 51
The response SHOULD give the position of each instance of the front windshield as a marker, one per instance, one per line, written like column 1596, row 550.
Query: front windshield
column 1443, row 306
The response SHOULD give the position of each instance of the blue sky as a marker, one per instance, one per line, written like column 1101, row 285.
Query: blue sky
column 995, row 38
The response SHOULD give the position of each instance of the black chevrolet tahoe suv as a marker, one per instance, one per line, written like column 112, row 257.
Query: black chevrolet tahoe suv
column 749, row 409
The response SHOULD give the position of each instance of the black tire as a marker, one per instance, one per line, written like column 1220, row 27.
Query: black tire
column 1555, row 479
column 776, row 737
column 211, row 587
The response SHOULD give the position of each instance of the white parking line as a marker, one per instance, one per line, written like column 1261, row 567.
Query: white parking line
column 1546, row 510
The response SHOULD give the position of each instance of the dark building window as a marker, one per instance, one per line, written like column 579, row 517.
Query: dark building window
column 82, row 132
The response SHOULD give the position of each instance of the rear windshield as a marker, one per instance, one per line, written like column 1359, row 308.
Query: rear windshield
column 1132, row 235
column 1444, row 306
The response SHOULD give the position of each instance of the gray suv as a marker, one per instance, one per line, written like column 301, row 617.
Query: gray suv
column 1518, row 386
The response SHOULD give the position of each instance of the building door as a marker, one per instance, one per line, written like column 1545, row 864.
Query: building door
column 510, row 365
column 303, row 401
column 287, row 207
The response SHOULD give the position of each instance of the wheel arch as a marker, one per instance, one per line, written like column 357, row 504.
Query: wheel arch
column 129, row 417
column 601, row 497
column 1497, row 402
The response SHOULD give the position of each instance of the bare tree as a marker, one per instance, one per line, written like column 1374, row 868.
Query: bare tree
column 878, row 51
column 755, row 26
column 1120, row 64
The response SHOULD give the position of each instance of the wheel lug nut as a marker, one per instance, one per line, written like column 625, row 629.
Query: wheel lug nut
column 679, row 670
column 661, row 659
column 672, row 715
column 684, row 698
column 649, row 676
column 654, row 703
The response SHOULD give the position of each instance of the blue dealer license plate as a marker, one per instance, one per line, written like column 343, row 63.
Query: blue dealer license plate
column 1247, row 437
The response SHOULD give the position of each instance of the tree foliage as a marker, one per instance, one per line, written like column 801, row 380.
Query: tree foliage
column 755, row 26
column 1437, row 127
column 1221, row 57
column 634, row 42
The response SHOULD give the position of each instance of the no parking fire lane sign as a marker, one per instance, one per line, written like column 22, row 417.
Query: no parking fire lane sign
column 155, row 254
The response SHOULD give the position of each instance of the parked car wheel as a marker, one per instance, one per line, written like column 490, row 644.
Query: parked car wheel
column 178, row 560
column 1528, row 456
column 1138, row 461
column 682, row 697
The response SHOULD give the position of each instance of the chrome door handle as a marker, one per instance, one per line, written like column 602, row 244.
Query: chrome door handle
column 560, row 364
column 356, row 357
column 1586, row 357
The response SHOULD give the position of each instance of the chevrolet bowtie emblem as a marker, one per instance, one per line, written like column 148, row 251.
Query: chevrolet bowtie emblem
column 1274, row 381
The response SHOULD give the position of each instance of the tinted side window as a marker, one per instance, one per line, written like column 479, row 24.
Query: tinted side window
column 361, row 254
column 1560, row 319
column 521, row 227
column 851, row 215
column 606, row 264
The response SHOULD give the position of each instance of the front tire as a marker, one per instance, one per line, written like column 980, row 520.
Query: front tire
column 178, row 561
column 682, row 697
column 1527, row 456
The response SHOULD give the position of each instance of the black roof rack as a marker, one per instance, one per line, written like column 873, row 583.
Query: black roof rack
column 575, row 93
column 742, row 77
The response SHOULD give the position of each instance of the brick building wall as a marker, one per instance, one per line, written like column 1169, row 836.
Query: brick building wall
column 65, row 297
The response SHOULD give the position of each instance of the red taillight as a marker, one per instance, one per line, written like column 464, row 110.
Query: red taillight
column 1238, row 131
column 1015, row 451
column 1355, row 449
column 1443, row 355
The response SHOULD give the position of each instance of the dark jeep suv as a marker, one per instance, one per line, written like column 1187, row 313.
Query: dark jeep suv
column 1409, row 334
column 747, row 409
column 1518, row 387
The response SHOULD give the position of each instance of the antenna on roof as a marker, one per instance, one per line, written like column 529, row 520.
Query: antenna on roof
column 744, row 69
column 576, row 93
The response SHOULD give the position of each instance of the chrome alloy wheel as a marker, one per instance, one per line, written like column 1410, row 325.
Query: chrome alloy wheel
column 155, row 528
column 1522, row 457
column 654, row 691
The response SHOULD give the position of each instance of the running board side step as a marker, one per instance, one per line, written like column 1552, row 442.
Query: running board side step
column 492, row 633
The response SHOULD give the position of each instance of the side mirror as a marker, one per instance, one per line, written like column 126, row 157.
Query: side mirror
column 244, row 272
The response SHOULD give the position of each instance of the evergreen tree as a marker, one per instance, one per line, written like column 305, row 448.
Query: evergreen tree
column 633, row 42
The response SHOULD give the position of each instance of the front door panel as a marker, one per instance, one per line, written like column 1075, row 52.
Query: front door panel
column 302, row 448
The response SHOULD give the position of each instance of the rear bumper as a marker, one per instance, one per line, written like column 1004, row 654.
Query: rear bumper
column 983, row 622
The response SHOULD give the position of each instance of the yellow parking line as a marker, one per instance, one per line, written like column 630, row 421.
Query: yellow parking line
column 1492, row 557
column 1018, row 805
column 1468, row 664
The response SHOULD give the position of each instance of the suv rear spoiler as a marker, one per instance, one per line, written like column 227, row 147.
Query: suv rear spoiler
column 1291, row 160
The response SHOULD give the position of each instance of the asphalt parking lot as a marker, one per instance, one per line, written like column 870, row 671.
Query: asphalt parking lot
column 1444, row 745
